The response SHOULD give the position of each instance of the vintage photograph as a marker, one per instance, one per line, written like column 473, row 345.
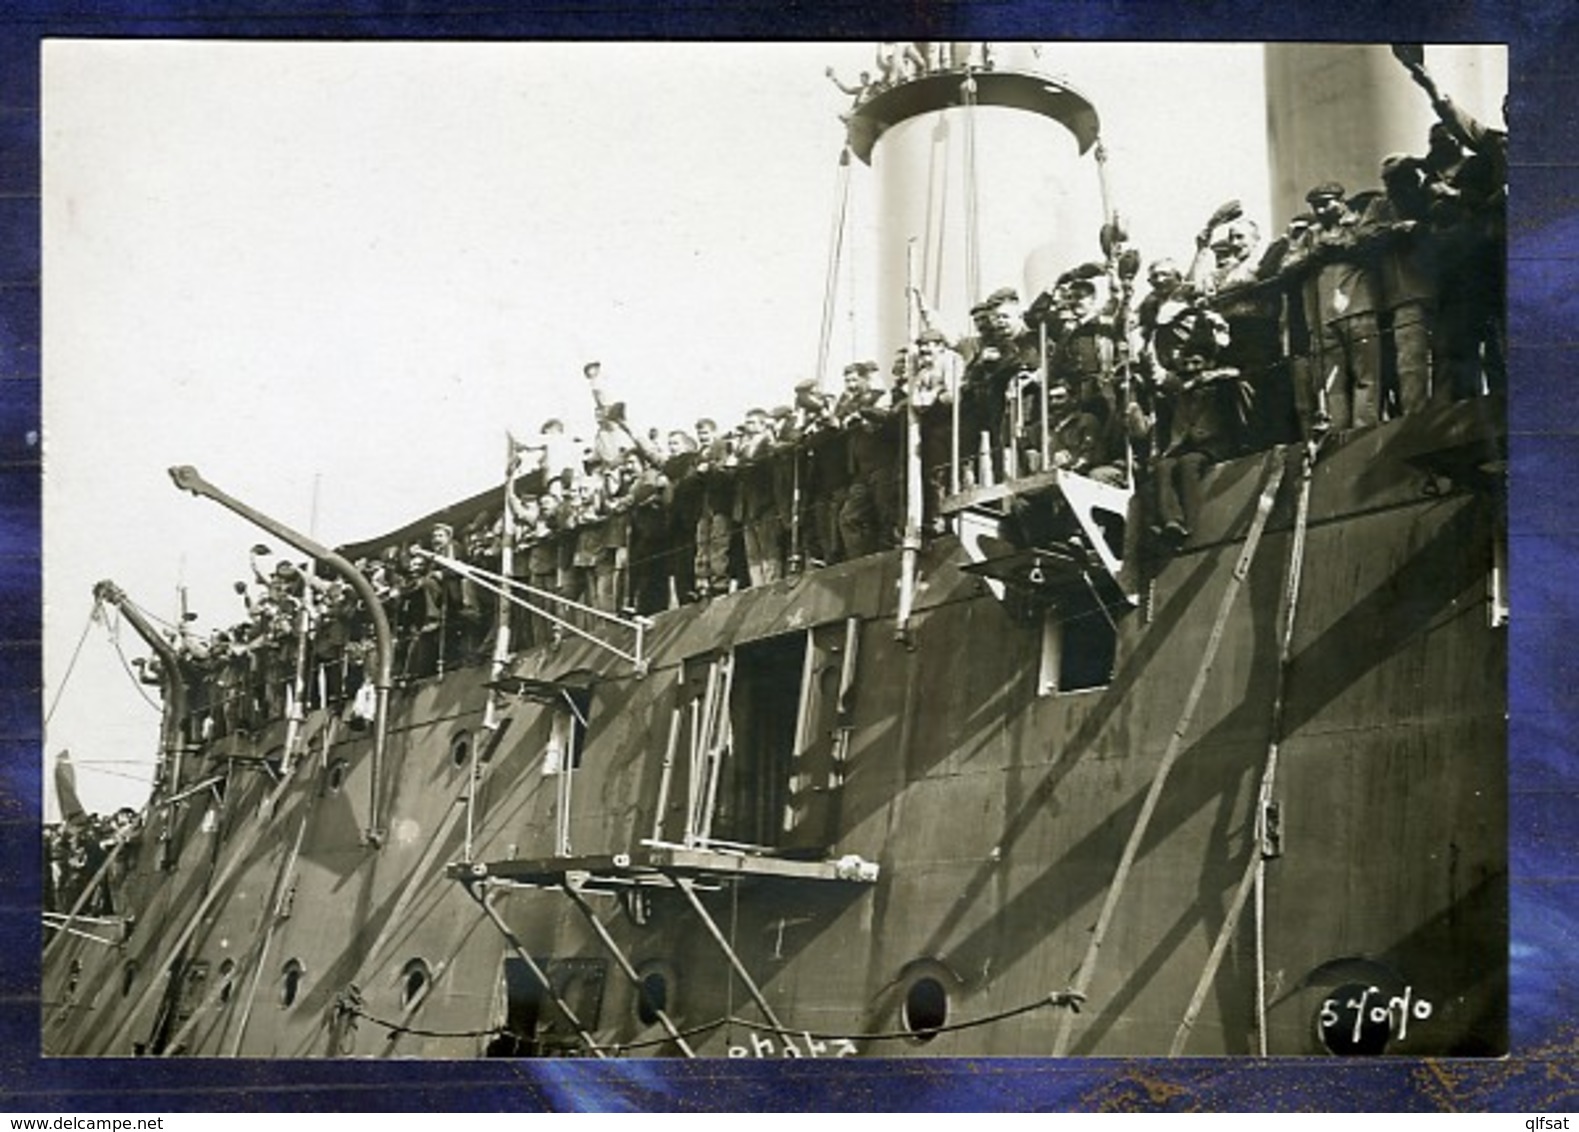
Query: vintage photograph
column 774, row 550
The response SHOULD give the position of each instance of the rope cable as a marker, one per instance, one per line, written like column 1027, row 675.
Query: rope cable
column 127, row 668
column 72, row 664
column 972, row 203
column 1057, row 998
column 830, row 286
column 115, row 773
column 852, row 283
column 162, row 622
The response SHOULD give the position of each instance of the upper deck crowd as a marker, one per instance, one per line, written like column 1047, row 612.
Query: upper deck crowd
column 78, row 862
column 1369, row 305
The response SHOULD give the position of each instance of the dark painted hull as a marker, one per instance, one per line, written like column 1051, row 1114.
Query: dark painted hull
column 997, row 817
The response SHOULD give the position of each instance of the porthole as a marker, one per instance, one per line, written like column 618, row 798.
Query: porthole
column 460, row 749
column 290, row 981
column 1354, row 1021
column 335, row 779
column 415, row 979
column 926, row 1008
column 652, row 998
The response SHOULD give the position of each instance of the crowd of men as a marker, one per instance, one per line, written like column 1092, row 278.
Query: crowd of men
column 303, row 643
column 75, row 853
column 897, row 63
column 1369, row 305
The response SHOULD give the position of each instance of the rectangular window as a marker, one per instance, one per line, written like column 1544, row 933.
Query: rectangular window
column 568, row 708
column 1079, row 648
column 764, row 714
column 750, row 760
column 567, row 731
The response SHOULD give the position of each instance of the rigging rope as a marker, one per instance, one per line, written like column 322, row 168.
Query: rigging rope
column 1254, row 876
column 1064, row 998
column 149, row 615
column 1274, row 466
column 115, row 639
column 830, row 286
column 91, row 769
column 93, row 615
column 972, row 217
column 852, row 287
column 1264, row 835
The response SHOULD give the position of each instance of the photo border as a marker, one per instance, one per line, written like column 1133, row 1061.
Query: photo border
column 1542, row 1074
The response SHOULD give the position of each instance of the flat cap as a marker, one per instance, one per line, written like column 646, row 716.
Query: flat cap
column 1325, row 190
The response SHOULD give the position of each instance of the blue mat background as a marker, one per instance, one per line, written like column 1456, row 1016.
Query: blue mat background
column 1543, row 1074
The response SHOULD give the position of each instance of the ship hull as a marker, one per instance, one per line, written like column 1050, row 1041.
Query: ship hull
column 910, row 832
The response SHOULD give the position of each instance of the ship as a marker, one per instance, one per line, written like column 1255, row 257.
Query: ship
column 1026, row 781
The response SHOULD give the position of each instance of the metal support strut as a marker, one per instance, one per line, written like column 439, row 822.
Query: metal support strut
column 1264, row 847
column 187, row 478
column 624, row 964
column 531, row 964
column 1277, row 464
column 686, row 889
column 502, row 586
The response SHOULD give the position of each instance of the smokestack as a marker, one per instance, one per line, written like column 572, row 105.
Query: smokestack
column 988, row 171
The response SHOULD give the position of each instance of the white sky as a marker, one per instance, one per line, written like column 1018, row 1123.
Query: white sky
column 353, row 265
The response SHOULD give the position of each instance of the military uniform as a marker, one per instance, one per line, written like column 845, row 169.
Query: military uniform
column 1202, row 434
column 1395, row 241
column 715, row 528
column 649, row 541
column 1468, row 229
column 1004, row 350
column 536, row 563
column 824, row 474
column 871, row 506
column 683, row 498
column 1076, row 440
column 1084, row 361
column 1255, row 345
column 785, row 473
column 757, row 505
column 611, row 574
column 937, row 377
column 1204, row 413
column 1341, row 306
